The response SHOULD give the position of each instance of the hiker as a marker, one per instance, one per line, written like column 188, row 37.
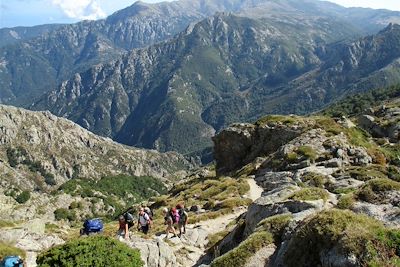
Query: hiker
column 12, row 261
column 144, row 221
column 169, row 222
column 183, row 218
column 123, row 230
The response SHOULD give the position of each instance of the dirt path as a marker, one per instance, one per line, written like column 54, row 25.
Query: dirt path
column 255, row 190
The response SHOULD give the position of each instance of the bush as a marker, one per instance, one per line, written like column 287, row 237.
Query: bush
column 240, row 255
column 365, row 238
column 23, row 197
column 64, row 214
column 91, row 251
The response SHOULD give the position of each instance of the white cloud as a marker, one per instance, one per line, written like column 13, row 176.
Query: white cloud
column 81, row 9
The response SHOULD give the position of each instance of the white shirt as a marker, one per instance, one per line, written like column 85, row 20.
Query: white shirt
column 143, row 219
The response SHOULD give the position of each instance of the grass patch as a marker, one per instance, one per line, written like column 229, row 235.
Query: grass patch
column 354, row 234
column 373, row 191
column 241, row 254
column 216, row 238
column 6, row 224
column 276, row 225
column 314, row 179
column 308, row 152
column 346, row 201
column 8, row 250
column 275, row 119
column 309, row 194
column 364, row 173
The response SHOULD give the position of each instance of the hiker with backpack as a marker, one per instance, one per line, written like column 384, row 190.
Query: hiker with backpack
column 126, row 221
column 169, row 221
column 144, row 221
column 183, row 218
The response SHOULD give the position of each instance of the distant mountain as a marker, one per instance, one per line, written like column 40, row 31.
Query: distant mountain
column 14, row 35
column 176, row 95
column 31, row 67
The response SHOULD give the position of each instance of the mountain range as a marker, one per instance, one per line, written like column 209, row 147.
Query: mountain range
column 170, row 75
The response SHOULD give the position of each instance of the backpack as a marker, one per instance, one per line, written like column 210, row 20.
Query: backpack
column 12, row 261
column 130, row 220
column 93, row 226
column 175, row 217
column 149, row 212
column 182, row 215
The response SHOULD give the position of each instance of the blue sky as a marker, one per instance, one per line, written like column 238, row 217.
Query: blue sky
column 34, row 12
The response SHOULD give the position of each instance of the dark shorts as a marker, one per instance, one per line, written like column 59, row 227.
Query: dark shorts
column 145, row 229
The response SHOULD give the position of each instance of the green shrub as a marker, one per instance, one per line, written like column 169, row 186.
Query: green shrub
column 354, row 234
column 23, row 197
column 91, row 251
column 241, row 254
column 309, row 194
column 8, row 250
column 64, row 214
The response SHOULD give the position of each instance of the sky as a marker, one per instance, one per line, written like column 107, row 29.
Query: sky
column 34, row 12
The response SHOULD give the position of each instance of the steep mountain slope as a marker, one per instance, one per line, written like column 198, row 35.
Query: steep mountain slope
column 224, row 69
column 32, row 67
column 40, row 150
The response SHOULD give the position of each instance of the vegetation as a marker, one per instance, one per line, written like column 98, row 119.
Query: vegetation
column 8, row 250
column 91, row 251
column 23, row 197
column 307, row 152
column 356, row 104
column 309, row 194
column 5, row 224
column 242, row 253
column 130, row 189
column 276, row 225
column 64, row 214
column 373, row 190
column 365, row 238
column 314, row 179
column 274, row 119
column 346, row 201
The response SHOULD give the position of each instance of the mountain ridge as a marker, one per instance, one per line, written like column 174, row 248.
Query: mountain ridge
column 302, row 74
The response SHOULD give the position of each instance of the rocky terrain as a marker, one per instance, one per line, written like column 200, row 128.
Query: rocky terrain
column 49, row 163
column 324, row 192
